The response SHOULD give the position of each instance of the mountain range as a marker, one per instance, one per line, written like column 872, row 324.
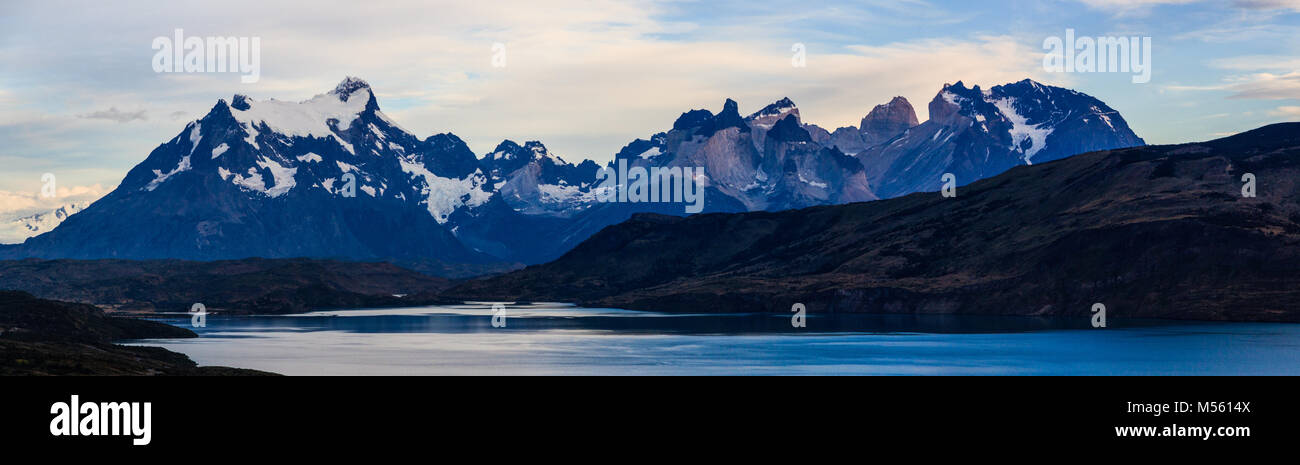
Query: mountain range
column 1207, row 230
column 334, row 177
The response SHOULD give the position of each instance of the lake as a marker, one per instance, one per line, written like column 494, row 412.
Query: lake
column 547, row 339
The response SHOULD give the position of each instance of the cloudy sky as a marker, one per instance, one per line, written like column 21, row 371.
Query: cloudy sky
column 79, row 97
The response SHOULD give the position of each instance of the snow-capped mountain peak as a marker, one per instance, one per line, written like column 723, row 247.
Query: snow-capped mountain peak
column 778, row 108
column 975, row 133
column 327, row 176
column 337, row 143
column 540, row 152
column 349, row 86
column 531, row 150
column 323, row 116
column 506, row 150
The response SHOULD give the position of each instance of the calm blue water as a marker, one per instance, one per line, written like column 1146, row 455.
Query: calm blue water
column 560, row 339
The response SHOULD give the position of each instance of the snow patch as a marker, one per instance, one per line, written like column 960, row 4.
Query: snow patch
column 195, row 137
column 391, row 123
column 563, row 194
column 811, row 183
column 308, row 118
column 1104, row 117
column 161, row 177
column 541, row 152
column 952, row 98
column 282, row 176
column 1021, row 130
column 253, row 182
column 442, row 196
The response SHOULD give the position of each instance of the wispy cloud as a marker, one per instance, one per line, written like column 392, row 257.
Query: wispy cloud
column 1258, row 63
column 1289, row 111
column 1268, row 4
column 1131, row 7
column 1276, row 77
column 1260, row 86
column 113, row 114
column 1268, row 86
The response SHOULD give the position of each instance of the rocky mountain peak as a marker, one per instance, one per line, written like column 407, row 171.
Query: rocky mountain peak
column 888, row 120
column 239, row 102
column 788, row 129
column 729, row 117
column 692, row 119
column 777, row 108
column 350, row 85
column 507, row 149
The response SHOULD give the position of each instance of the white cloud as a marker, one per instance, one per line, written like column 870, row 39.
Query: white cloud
column 1269, row 86
column 1287, row 111
column 14, row 204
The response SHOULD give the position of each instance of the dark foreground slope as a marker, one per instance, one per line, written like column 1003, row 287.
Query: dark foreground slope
column 44, row 337
column 1159, row 231
column 232, row 286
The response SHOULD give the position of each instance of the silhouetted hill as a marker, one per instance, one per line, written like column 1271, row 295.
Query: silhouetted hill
column 44, row 337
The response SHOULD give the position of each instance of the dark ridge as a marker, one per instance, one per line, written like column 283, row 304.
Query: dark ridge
column 267, row 286
column 45, row 337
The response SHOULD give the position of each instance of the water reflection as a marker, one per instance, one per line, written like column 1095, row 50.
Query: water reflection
column 563, row 339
